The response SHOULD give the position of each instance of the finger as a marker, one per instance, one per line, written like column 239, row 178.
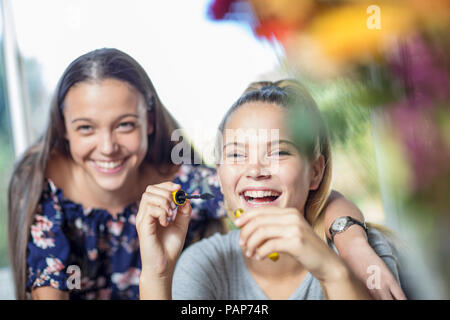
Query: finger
column 250, row 214
column 169, row 186
column 381, row 294
column 158, row 213
column 149, row 215
column 164, row 193
column 268, row 247
column 157, row 200
column 397, row 292
column 263, row 234
column 183, row 216
column 264, row 211
column 257, row 222
column 156, row 189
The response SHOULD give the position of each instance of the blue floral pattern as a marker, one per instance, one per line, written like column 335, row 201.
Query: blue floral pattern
column 104, row 248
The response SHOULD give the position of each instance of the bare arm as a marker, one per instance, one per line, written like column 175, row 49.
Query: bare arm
column 49, row 293
column 356, row 250
column 344, row 285
column 338, row 206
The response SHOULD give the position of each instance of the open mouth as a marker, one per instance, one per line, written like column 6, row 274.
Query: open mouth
column 259, row 197
column 109, row 166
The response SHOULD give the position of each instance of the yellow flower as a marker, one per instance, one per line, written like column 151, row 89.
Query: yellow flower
column 352, row 34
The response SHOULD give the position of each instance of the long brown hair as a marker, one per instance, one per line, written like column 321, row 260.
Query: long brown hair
column 312, row 139
column 28, row 176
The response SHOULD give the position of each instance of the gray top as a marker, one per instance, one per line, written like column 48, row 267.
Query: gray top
column 214, row 268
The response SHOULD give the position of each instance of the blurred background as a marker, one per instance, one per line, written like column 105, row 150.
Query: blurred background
column 379, row 73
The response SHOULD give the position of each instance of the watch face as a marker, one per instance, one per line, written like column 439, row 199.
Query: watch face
column 340, row 224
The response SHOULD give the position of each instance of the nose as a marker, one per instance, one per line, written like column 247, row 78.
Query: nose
column 258, row 171
column 108, row 145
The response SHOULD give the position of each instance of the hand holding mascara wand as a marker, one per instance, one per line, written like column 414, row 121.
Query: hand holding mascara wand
column 274, row 256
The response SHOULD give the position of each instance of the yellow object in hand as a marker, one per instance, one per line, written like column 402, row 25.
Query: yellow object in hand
column 274, row 256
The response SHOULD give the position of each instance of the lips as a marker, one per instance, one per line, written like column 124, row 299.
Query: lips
column 111, row 166
column 259, row 197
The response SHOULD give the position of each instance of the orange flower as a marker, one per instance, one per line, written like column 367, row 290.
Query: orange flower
column 350, row 34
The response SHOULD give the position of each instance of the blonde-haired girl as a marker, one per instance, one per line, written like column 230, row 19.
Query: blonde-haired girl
column 282, row 183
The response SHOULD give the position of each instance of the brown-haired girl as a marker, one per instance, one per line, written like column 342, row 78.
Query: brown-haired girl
column 74, row 195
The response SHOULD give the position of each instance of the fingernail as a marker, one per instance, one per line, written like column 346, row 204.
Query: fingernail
column 237, row 221
column 248, row 253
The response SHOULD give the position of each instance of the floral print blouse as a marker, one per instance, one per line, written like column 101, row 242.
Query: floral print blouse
column 95, row 256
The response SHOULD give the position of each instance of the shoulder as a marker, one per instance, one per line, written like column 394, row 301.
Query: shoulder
column 384, row 247
column 59, row 170
column 49, row 205
column 380, row 242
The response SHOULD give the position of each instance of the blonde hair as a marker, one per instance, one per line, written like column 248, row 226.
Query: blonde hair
column 312, row 142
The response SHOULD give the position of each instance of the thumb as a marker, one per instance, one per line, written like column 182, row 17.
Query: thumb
column 183, row 215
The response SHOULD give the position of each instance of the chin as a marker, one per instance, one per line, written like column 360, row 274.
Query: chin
column 110, row 184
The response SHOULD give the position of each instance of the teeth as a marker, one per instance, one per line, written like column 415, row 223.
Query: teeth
column 261, row 194
column 108, row 164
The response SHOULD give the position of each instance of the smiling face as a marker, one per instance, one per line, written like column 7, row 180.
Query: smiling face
column 107, row 126
column 264, row 169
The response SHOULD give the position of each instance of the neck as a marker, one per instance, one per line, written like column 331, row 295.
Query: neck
column 114, row 201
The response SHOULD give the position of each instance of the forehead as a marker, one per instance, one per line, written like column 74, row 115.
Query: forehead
column 260, row 120
column 108, row 95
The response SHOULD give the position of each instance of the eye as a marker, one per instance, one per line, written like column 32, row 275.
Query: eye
column 85, row 128
column 235, row 155
column 280, row 153
column 126, row 126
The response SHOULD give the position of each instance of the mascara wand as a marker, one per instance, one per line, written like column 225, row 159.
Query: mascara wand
column 180, row 197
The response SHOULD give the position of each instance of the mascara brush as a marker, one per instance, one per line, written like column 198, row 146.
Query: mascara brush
column 180, row 197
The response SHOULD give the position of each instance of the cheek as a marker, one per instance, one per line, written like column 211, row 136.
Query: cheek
column 295, row 179
column 228, row 176
column 135, row 142
column 80, row 146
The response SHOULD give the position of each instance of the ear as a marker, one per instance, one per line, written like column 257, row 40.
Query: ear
column 317, row 170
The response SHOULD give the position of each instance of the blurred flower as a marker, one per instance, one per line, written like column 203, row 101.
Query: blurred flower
column 219, row 8
column 344, row 36
column 389, row 60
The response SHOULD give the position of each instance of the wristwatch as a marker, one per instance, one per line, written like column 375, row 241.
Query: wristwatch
column 343, row 223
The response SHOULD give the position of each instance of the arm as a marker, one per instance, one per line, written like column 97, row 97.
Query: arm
column 337, row 206
column 49, row 293
column 48, row 251
column 160, row 240
column 341, row 284
column 356, row 250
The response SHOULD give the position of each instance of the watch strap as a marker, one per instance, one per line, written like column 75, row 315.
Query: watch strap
column 350, row 222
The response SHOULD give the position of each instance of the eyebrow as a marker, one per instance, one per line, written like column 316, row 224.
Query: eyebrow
column 273, row 142
column 119, row 118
